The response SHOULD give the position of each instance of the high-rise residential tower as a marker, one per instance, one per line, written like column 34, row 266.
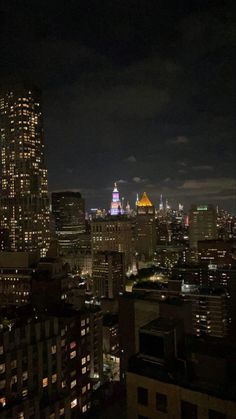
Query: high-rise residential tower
column 24, row 205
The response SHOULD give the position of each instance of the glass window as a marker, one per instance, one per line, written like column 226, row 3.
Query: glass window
column 161, row 402
column 142, row 396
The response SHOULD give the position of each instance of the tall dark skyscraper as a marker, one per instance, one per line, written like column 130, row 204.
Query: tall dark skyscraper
column 24, row 205
column 68, row 209
column 202, row 224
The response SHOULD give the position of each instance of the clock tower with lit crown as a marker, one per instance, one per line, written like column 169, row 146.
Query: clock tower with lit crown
column 116, row 206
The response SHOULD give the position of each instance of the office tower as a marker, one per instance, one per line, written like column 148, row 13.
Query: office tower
column 145, row 228
column 113, row 234
column 217, row 252
column 108, row 273
column 202, row 224
column 16, row 271
column 116, row 205
column 180, row 377
column 210, row 311
column 68, row 209
column 45, row 359
column 24, row 206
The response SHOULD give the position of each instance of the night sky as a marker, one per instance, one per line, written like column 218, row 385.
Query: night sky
column 139, row 92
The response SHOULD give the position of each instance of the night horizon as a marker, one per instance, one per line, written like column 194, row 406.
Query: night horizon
column 138, row 95
column 117, row 210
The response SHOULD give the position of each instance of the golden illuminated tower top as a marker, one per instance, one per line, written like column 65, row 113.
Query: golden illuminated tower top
column 144, row 201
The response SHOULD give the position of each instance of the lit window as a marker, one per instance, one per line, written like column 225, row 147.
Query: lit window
column 83, row 361
column 82, row 323
column 73, row 403
column 2, row 401
column 72, row 354
column 82, row 332
column 84, row 370
column 13, row 363
column 62, row 411
column 54, row 378
column 53, row 349
column 73, row 384
column 25, row 375
column 84, row 408
column 63, row 384
column 2, row 368
column 45, row 382
column 20, row 415
column 83, row 389
column 88, row 386
column 24, row 392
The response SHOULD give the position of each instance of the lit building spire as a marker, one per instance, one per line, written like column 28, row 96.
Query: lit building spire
column 161, row 206
column 116, row 206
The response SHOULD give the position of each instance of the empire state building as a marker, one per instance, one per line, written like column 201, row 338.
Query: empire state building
column 24, row 205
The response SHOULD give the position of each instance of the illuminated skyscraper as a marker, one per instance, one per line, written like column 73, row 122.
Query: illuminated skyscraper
column 145, row 228
column 116, row 206
column 24, row 205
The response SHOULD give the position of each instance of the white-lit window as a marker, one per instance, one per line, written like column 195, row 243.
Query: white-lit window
column 84, row 389
column 72, row 354
column 54, row 378
column 84, row 408
column 53, row 349
column 83, row 322
column 82, row 332
column 62, row 411
column 73, row 403
column 45, row 382
column 25, row 375
column 88, row 386
column 73, row 384
column 20, row 415
column 24, row 392
column 83, row 361
column 84, row 370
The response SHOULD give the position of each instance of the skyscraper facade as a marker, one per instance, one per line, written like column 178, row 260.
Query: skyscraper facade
column 145, row 228
column 108, row 273
column 202, row 224
column 68, row 209
column 24, row 205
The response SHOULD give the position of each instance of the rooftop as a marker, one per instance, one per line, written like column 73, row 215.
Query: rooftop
column 144, row 201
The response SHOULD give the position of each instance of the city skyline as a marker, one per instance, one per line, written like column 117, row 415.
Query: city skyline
column 139, row 76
